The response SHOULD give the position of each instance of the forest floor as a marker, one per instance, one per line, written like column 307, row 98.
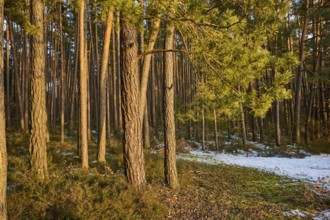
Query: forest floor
column 207, row 191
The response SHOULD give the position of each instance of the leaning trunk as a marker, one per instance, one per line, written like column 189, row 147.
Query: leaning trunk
column 103, row 89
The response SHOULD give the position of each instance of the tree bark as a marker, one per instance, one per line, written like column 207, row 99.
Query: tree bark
column 114, row 82
column 132, row 141
column 243, row 125
column 119, row 89
column 203, row 128
column 63, row 85
column 83, row 80
column 171, row 177
column 74, row 77
column 146, row 129
column 38, row 138
column 277, row 123
column 17, row 80
column 215, row 129
column 146, row 66
column 103, row 89
column 277, row 118
column 296, row 133
column 8, row 109
column 3, row 151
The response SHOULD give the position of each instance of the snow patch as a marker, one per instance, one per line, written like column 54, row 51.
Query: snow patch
column 324, row 215
column 296, row 214
column 311, row 168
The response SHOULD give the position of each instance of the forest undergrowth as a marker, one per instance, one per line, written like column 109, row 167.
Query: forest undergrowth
column 206, row 191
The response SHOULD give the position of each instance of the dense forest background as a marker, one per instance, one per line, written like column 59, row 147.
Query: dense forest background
column 159, row 71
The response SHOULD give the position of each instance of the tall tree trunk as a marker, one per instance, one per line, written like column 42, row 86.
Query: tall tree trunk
column 26, row 76
column 3, row 151
column 144, row 81
column 63, row 85
column 153, row 94
column 132, row 143
column 277, row 123
column 108, row 109
column 254, row 128
column 243, row 125
column 83, row 80
column 296, row 134
column 146, row 129
column 114, row 82
column 38, row 138
column 260, row 119
column 277, row 117
column 74, row 77
column 103, row 88
column 146, row 65
column 119, row 72
column 17, row 77
column 88, row 91
column 8, row 109
column 171, row 177
column 215, row 129
column 203, row 128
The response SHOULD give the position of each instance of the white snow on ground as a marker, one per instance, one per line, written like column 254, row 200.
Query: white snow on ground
column 310, row 168
column 296, row 213
column 325, row 215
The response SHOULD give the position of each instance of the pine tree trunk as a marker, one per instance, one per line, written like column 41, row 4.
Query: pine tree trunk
column 114, row 80
column 3, row 151
column 146, row 65
column 144, row 81
column 146, row 129
column 103, row 88
column 17, row 80
column 153, row 95
column 88, row 88
column 8, row 109
column 119, row 89
column 63, row 85
column 243, row 125
column 215, row 129
column 324, row 109
column 108, row 115
column 26, row 77
column 74, row 77
column 254, row 128
column 296, row 134
column 260, row 119
column 83, row 80
column 277, row 116
column 277, row 123
column 132, row 141
column 38, row 138
column 171, row 178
